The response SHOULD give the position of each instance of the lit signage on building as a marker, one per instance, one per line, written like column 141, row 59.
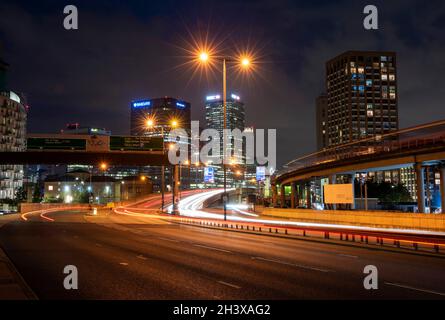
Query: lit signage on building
column 260, row 173
column 235, row 97
column 215, row 97
column 209, row 175
column 141, row 104
column 13, row 96
column 180, row 105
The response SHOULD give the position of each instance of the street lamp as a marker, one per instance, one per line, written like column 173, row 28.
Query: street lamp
column 151, row 124
column 245, row 63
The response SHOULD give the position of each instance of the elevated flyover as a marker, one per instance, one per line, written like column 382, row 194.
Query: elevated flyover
column 419, row 146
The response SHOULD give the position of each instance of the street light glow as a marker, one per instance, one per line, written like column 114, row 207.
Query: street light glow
column 245, row 62
column 203, row 56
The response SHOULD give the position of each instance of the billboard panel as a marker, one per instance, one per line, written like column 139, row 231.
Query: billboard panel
column 338, row 194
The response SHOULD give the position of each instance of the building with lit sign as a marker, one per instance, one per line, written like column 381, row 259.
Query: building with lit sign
column 157, row 117
column 235, row 120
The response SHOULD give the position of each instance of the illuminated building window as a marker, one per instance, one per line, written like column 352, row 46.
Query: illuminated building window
column 369, row 83
column 384, row 77
column 392, row 77
column 50, row 188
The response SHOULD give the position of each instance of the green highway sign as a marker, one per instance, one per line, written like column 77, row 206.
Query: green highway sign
column 56, row 144
column 136, row 143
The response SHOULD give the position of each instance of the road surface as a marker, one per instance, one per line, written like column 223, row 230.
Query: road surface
column 125, row 257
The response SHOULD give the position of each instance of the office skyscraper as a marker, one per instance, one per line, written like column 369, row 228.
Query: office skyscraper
column 361, row 96
column 235, row 120
column 322, row 121
column 163, row 112
column 164, row 115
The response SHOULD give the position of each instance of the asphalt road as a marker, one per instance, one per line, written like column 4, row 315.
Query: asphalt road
column 123, row 257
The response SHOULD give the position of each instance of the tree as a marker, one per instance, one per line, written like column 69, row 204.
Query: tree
column 21, row 195
column 386, row 192
column 37, row 194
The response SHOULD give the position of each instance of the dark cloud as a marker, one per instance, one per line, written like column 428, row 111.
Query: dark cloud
column 128, row 50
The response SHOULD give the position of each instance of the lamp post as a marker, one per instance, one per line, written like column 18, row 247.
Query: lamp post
column 245, row 63
column 150, row 124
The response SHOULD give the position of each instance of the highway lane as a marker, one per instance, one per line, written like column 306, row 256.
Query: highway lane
column 124, row 257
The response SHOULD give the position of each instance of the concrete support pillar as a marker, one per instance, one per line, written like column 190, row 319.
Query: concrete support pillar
column 274, row 196
column 176, row 184
column 333, row 180
column 442, row 187
column 282, row 196
column 293, row 195
column 353, row 191
column 308, row 196
column 297, row 195
column 420, row 181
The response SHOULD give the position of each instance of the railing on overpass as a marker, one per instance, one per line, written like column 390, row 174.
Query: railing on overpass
column 420, row 137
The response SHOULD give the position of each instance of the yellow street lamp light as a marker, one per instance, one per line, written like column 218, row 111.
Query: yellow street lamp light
column 245, row 62
column 203, row 56
column 103, row 166
column 150, row 123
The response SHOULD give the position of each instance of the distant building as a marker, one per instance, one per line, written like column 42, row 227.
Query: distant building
column 164, row 115
column 80, row 187
column 236, row 119
column 163, row 112
column 361, row 96
column 322, row 121
column 13, row 117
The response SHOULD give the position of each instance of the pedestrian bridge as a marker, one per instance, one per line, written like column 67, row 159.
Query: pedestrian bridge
column 420, row 146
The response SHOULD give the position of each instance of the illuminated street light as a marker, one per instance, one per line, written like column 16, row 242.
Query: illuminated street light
column 143, row 178
column 204, row 57
column 150, row 123
column 174, row 123
column 244, row 62
column 103, row 166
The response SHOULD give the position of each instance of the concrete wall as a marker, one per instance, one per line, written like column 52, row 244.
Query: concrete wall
column 378, row 219
column 28, row 207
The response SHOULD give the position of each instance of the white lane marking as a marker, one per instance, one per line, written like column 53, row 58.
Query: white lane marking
column 211, row 248
column 229, row 284
column 415, row 289
column 167, row 239
column 292, row 264
column 123, row 264
column 347, row 256
column 141, row 257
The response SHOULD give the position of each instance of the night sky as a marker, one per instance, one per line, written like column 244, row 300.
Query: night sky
column 125, row 50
